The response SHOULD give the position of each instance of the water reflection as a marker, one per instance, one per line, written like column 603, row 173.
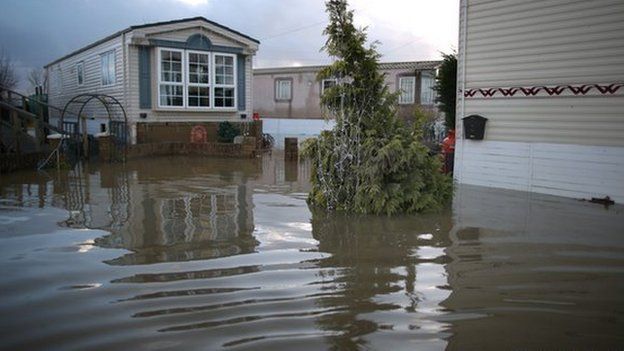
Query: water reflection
column 390, row 272
column 535, row 272
column 198, row 253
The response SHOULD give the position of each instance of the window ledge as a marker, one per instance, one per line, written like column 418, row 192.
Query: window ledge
column 197, row 109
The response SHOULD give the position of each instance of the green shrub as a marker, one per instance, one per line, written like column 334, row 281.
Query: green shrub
column 227, row 131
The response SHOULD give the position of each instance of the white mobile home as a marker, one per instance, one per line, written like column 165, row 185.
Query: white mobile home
column 549, row 77
column 188, row 70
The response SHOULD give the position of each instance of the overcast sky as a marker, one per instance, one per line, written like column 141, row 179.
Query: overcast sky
column 35, row 32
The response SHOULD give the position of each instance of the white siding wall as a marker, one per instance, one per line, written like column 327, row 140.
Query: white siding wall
column 63, row 83
column 563, row 145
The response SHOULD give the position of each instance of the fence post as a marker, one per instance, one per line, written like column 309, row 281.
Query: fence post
column 15, row 122
column 39, row 134
column 85, row 139
column 291, row 148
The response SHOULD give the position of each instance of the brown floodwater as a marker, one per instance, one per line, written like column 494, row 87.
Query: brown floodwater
column 191, row 253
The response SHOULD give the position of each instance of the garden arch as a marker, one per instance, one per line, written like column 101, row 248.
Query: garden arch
column 113, row 111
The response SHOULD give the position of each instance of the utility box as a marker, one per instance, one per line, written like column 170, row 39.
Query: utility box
column 474, row 127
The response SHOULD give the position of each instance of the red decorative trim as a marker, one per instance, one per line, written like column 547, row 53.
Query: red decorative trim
column 603, row 89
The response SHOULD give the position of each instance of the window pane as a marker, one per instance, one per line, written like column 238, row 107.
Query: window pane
column 224, row 70
column 111, row 67
column 107, row 67
column 198, row 96
column 171, row 95
column 224, row 97
column 327, row 83
column 406, row 85
column 427, row 94
column 283, row 90
column 198, row 68
column 171, row 66
column 80, row 73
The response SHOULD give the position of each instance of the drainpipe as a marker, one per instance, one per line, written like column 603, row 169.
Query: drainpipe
column 462, row 109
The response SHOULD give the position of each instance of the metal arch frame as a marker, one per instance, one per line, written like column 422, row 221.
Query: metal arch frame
column 106, row 100
column 100, row 97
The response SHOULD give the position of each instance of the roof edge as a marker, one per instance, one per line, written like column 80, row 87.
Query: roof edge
column 382, row 65
column 197, row 18
column 147, row 25
column 89, row 46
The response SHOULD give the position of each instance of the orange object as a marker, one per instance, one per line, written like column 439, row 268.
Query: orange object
column 199, row 134
column 448, row 151
column 448, row 144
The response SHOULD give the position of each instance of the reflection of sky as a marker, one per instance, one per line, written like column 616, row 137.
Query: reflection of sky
column 278, row 222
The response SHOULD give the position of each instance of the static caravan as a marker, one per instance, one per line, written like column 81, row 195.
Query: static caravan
column 295, row 92
column 168, row 74
column 549, row 77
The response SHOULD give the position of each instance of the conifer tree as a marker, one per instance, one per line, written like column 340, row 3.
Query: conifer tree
column 446, row 88
column 371, row 161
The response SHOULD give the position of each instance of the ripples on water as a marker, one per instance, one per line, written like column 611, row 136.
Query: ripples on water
column 196, row 253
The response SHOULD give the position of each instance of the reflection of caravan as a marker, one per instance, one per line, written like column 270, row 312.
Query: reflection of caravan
column 188, row 70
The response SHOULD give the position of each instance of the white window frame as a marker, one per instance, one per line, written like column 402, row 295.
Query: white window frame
column 402, row 100
column 104, row 82
column 278, row 81
column 327, row 80
column 80, row 73
column 187, row 82
column 182, row 83
column 215, row 85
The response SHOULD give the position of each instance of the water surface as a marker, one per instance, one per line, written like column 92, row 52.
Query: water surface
column 200, row 253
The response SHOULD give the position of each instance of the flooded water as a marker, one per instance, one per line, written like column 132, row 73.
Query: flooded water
column 191, row 253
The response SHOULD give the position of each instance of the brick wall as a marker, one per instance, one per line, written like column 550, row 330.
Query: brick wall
column 180, row 132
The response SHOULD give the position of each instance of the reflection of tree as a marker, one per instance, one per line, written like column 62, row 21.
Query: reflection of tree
column 372, row 257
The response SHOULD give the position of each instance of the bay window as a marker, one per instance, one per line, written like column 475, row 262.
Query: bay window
column 196, row 79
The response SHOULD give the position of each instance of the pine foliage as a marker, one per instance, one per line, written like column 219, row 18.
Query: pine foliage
column 371, row 161
column 446, row 88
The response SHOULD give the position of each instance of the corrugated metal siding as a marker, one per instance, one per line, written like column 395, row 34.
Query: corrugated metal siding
column 546, row 42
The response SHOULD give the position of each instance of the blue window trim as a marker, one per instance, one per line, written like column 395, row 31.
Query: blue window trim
column 193, row 45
